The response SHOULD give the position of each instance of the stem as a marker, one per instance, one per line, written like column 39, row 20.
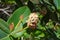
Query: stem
column 22, row 38
column 18, row 24
column 18, row 38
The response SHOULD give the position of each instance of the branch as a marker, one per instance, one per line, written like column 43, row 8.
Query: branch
column 5, row 12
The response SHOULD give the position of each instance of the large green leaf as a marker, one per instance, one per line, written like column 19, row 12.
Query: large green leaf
column 15, row 18
column 2, row 34
column 2, row 22
column 16, row 15
column 4, row 26
column 4, row 29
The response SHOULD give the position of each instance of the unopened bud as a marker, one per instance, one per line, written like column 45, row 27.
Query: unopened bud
column 11, row 26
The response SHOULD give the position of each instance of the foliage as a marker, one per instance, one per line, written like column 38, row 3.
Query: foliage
column 47, row 28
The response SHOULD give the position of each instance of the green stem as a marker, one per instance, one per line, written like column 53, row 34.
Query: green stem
column 18, row 24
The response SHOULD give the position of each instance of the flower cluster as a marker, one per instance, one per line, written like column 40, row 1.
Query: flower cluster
column 32, row 20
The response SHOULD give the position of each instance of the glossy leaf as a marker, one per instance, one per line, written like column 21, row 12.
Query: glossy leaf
column 24, row 11
column 20, row 11
column 4, row 28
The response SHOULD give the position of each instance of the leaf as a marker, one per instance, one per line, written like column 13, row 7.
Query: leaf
column 22, row 11
column 4, row 29
column 16, row 15
column 10, row 1
column 57, row 34
column 37, row 33
column 19, row 34
column 26, row 35
column 41, row 35
column 57, row 3
column 6, row 38
column 2, row 34
column 4, row 26
column 35, row 1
